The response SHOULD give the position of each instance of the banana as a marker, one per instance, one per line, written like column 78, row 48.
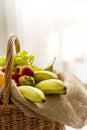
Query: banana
column 32, row 94
column 52, row 86
column 44, row 75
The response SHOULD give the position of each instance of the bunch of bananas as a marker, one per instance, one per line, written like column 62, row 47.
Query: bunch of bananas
column 46, row 82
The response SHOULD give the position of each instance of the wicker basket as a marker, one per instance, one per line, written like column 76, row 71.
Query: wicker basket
column 11, row 117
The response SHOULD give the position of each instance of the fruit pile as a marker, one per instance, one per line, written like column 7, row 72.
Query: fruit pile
column 33, row 81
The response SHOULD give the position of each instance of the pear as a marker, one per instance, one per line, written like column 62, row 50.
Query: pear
column 50, row 67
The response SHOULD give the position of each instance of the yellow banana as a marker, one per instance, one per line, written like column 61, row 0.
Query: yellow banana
column 44, row 75
column 32, row 94
column 52, row 86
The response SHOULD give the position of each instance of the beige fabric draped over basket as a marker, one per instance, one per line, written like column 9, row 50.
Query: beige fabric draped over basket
column 11, row 117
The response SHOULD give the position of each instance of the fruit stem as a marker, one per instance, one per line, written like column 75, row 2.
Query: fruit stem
column 54, row 60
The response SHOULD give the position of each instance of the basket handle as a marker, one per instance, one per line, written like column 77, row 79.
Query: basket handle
column 13, row 40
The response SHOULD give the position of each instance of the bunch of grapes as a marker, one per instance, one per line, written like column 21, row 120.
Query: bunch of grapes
column 2, row 61
column 20, row 59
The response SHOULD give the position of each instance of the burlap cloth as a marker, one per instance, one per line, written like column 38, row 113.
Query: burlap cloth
column 69, row 109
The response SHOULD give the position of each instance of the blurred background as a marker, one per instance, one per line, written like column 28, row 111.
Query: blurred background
column 48, row 29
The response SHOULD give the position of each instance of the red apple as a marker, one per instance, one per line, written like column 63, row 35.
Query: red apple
column 26, row 70
column 26, row 80
column 14, row 76
column 18, row 68
column 3, row 69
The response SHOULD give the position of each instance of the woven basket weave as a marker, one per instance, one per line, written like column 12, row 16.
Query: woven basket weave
column 11, row 117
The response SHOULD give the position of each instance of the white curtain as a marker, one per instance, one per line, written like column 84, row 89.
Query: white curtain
column 58, row 28
column 9, row 22
column 2, row 29
column 47, row 28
